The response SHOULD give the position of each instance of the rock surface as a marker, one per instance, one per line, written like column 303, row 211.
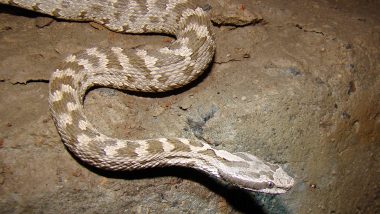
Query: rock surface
column 300, row 88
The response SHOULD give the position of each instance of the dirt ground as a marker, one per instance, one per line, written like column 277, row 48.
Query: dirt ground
column 294, row 82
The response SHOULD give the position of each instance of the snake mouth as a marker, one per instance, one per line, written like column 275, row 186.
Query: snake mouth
column 280, row 184
column 273, row 191
column 278, row 189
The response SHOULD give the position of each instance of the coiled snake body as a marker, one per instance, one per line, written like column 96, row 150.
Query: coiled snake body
column 145, row 70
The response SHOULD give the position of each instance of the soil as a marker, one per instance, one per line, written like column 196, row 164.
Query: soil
column 294, row 82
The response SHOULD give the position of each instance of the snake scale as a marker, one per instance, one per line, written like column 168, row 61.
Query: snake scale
column 143, row 70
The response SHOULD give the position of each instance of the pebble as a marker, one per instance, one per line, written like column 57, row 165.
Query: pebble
column 43, row 21
column 186, row 103
column 158, row 111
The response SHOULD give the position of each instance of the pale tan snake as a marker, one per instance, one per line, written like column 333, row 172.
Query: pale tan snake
column 143, row 70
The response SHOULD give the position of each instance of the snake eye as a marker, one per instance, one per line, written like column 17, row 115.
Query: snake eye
column 270, row 184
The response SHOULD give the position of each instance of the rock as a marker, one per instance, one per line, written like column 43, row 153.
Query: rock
column 235, row 15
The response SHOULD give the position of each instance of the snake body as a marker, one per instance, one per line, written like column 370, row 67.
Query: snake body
column 145, row 70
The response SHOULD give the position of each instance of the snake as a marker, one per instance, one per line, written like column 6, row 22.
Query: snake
column 144, row 69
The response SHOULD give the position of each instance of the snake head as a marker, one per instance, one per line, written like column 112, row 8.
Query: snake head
column 249, row 172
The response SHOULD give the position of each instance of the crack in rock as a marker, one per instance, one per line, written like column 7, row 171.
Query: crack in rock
column 196, row 124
